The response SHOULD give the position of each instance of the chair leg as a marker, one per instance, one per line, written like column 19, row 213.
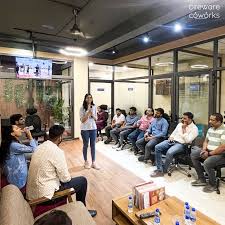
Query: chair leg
column 218, row 185
column 178, row 167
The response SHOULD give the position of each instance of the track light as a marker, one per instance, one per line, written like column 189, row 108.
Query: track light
column 146, row 39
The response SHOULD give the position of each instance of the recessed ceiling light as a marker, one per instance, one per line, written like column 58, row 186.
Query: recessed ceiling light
column 48, row 26
column 60, row 62
column 178, row 27
column 146, row 39
column 199, row 66
column 73, row 51
column 113, row 52
column 164, row 64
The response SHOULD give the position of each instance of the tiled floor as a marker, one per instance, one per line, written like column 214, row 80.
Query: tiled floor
column 178, row 184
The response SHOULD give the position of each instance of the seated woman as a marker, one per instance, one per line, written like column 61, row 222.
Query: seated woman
column 12, row 154
column 101, row 121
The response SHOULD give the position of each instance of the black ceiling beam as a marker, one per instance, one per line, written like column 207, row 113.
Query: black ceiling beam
column 66, row 4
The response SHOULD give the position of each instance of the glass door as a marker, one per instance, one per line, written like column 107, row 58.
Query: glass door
column 194, row 97
column 102, row 94
column 162, row 94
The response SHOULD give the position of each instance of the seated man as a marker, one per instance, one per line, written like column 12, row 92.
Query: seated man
column 156, row 133
column 18, row 120
column 185, row 133
column 120, row 134
column 48, row 171
column 142, row 126
column 117, row 122
column 212, row 153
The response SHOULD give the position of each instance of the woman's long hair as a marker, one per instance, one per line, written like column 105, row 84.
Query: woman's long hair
column 85, row 105
column 7, row 139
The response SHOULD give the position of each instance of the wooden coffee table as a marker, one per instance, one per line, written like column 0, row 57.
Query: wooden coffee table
column 170, row 207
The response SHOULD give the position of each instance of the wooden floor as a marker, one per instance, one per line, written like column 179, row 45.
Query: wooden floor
column 103, row 185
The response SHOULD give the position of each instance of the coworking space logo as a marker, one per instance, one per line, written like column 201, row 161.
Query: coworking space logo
column 204, row 11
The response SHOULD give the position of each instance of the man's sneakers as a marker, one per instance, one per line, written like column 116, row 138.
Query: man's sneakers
column 93, row 213
column 198, row 183
column 157, row 173
column 209, row 188
column 117, row 145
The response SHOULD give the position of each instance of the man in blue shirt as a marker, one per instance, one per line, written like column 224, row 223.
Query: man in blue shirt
column 120, row 134
column 156, row 133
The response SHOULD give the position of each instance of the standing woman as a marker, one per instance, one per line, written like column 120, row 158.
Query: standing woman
column 88, row 116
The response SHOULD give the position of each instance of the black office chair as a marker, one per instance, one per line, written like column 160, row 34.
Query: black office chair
column 35, row 121
column 182, row 162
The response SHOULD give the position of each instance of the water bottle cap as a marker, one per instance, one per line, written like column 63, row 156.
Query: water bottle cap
column 187, row 207
column 193, row 209
column 177, row 223
column 130, row 196
column 187, row 217
column 186, row 203
column 157, row 210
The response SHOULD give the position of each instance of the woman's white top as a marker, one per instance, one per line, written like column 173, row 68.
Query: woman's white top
column 90, row 123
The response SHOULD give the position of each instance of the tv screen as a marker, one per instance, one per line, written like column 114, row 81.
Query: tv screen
column 33, row 68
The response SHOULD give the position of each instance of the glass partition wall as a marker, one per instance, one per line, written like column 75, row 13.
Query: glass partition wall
column 52, row 98
column 185, row 79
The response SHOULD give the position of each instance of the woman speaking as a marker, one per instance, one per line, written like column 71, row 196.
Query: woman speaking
column 88, row 115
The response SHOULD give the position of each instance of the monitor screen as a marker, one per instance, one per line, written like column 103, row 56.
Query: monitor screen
column 33, row 68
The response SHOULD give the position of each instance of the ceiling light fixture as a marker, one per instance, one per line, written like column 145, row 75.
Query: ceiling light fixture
column 178, row 27
column 146, row 39
column 199, row 66
column 164, row 64
column 73, row 51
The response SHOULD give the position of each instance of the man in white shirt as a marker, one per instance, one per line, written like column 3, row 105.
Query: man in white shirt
column 48, row 171
column 185, row 133
column 117, row 121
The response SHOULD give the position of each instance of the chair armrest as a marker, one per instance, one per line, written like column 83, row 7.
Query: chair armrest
column 58, row 194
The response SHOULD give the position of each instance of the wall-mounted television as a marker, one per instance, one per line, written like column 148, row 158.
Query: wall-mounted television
column 33, row 68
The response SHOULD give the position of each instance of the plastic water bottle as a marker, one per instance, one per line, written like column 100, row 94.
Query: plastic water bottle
column 157, row 218
column 187, row 211
column 130, row 204
column 187, row 220
column 185, row 204
column 193, row 216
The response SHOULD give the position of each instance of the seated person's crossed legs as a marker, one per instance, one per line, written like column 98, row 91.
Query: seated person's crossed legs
column 123, row 137
column 134, row 136
column 114, row 134
column 208, row 165
column 80, row 186
column 147, row 147
column 169, row 149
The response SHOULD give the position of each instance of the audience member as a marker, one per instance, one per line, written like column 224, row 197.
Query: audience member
column 101, row 120
column 119, row 135
column 185, row 133
column 55, row 217
column 48, row 171
column 88, row 117
column 12, row 154
column 212, row 154
column 117, row 121
column 142, row 126
column 156, row 133
column 17, row 119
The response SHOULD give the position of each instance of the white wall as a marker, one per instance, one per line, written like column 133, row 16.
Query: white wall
column 222, row 102
column 80, row 89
